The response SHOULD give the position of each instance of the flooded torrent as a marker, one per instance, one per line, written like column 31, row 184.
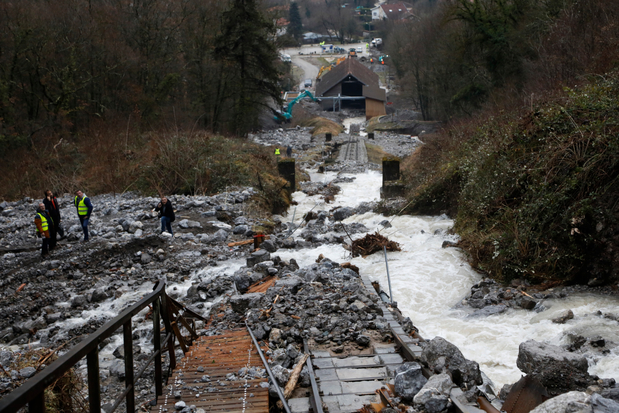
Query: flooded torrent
column 428, row 283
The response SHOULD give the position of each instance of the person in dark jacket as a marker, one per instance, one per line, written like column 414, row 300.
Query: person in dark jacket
column 84, row 209
column 43, row 222
column 166, row 213
column 52, row 207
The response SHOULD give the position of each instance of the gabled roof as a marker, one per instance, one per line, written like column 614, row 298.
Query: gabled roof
column 351, row 67
column 394, row 11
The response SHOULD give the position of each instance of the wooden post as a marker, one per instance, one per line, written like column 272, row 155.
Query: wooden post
column 94, row 385
column 157, row 345
column 258, row 238
column 128, row 347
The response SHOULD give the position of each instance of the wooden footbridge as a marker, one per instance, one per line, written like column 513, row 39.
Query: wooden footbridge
column 208, row 377
column 225, row 373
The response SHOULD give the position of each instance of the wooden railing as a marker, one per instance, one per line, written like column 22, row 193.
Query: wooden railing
column 32, row 393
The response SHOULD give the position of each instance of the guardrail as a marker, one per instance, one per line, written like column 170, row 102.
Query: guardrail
column 32, row 393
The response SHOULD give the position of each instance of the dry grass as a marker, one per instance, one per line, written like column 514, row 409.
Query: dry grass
column 63, row 395
column 375, row 153
column 323, row 125
column 108, row 160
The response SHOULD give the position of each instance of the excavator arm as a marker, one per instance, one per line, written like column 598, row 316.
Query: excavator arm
column 287, row 115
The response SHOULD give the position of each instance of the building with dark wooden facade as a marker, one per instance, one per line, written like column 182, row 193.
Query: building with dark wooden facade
column 351, row 85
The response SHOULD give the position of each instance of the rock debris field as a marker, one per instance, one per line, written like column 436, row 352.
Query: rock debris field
column 59, row 301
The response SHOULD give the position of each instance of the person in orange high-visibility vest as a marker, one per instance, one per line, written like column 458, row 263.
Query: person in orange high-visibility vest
column 43, row 222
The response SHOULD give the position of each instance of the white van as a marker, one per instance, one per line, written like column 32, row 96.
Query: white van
column 359, row 49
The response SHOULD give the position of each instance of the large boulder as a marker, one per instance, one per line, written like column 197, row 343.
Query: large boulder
column 558, row 370
column 281, row 374
column 219, row 236
column 240, row 303
column 269, row 245
column 258, row 256
column 571, row 402
column 291, row 283
column 434, row 395
column 409, row 380
column 441, row 356
column 603, row 405
column 341, row 214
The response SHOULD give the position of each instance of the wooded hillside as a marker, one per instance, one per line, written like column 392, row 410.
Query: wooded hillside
column 528, row 160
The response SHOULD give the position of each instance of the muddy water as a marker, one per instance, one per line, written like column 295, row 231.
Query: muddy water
column 428, row 281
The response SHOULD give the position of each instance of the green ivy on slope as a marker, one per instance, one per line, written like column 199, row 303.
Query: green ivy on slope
column 539, row 194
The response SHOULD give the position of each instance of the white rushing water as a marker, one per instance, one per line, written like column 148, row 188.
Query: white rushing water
column 428, row 281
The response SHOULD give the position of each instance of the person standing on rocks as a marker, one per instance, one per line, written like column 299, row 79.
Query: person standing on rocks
column 166, row 213
column 52, row 207
column 277, row 153
column 84, row 209
column 289, row 151
column 43, row 222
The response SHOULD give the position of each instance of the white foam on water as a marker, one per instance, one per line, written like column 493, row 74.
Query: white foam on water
column 428, row 281
column 350, row 121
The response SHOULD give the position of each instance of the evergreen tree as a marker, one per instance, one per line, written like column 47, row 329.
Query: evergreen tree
column 295, row 28
column 246, row 48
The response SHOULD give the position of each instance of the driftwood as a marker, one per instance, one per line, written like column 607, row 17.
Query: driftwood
column 247, row 241
column 372, row 243
column 294, row 377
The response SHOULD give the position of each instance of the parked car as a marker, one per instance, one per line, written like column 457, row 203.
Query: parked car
column 359, row 50
column 308, row 83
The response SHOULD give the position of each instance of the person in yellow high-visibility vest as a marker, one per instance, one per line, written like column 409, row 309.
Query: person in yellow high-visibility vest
column 84, row 209
column 277, row 153
column 43, row 222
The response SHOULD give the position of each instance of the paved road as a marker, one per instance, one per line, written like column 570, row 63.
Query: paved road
column 310, row 70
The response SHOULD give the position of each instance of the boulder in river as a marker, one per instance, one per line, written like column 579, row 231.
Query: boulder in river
column 558, row 370
column 563, row 317
column 442, row 356
column 341, row 214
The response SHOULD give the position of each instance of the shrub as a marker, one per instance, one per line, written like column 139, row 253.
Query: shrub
column 536, row 193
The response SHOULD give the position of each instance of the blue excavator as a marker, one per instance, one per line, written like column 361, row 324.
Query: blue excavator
column 286, row 114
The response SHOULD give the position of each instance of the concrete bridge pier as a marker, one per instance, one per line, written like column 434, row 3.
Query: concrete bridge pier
column 392, row 184
column 286, row 169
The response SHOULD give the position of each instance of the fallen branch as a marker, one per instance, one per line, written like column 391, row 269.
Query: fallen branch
column 522, row 292
column 294, row 377
column 248, row 241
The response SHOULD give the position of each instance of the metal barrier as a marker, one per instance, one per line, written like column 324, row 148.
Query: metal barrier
column 164, row 309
